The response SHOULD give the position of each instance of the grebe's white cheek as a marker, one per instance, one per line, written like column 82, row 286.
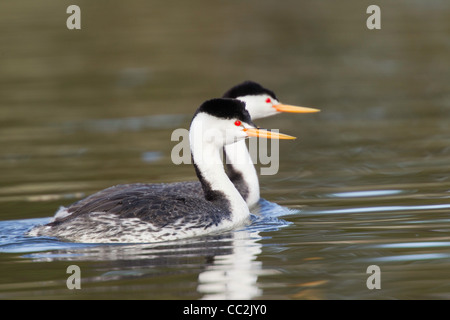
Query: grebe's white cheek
column 260, row 106
column 234, row 134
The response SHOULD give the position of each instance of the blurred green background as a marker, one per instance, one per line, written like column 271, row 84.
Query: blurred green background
column 81, row 110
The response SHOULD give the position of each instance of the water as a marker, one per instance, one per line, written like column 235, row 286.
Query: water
column 367, row 182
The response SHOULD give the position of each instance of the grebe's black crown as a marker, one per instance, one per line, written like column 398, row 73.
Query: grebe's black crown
column 248, row 88
column 225, row 108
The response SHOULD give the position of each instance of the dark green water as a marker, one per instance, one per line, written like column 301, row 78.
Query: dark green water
column 368, row 177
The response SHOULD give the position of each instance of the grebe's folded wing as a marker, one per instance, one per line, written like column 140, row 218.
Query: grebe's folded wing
column 158, row 205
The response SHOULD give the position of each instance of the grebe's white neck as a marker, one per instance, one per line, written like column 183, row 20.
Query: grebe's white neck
column 240, row 167
column 207, row 139
column 242, row 171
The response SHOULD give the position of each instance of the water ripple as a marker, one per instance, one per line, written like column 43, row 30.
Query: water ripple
column 412, row 257
column 414, row 245
column 368, row 193
column 381, row 209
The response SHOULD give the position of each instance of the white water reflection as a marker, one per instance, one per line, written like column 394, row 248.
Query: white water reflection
column 412, row 257
column 413, row 245
column 383, row 209
column 367, row 193
column 234, row 276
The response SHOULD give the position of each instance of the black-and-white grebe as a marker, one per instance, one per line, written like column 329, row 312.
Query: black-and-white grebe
column 142, row 213
column 260, row 103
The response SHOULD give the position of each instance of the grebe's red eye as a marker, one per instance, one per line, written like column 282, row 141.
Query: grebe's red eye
column 237, row 123
column 268, row 100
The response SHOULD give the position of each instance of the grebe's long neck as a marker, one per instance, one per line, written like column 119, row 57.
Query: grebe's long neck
column 217, row 187
column 242, row 172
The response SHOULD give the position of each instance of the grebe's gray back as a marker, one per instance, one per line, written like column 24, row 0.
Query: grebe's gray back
column 148, row 213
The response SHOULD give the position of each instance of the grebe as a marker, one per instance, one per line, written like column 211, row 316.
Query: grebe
column 142, row 213
column 260, row 103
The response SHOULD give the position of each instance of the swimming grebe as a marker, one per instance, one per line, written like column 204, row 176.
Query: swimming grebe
column 260, row 103
column 139, row 213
